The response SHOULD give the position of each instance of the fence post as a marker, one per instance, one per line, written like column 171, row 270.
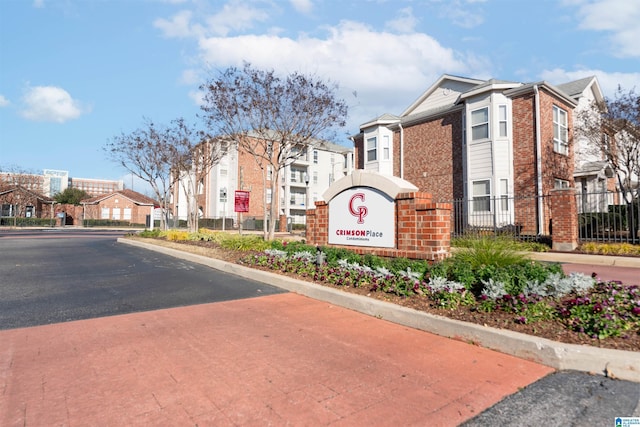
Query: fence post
column 564, row 217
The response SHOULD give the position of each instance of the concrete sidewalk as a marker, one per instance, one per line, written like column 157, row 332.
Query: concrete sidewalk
column 277, row 360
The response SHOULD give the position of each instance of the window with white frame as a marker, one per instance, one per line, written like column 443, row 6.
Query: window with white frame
column 315, row 157
column 385, row 147
column 372, row 149
column 560, row 183
column 480, row 124
column 104, row 213
column 293, row 175
column 481, row 196
column 502, row 120
column 269, row 172
column 126, row 214
column 504, row 194
column 116, row 213
column 560, row 131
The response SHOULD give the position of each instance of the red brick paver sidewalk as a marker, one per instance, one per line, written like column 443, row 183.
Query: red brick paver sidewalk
column 277, row 360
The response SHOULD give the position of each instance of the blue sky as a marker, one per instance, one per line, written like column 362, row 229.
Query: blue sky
column 76, row 73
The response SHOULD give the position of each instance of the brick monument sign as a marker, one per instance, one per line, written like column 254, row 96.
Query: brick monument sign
column 368, row 212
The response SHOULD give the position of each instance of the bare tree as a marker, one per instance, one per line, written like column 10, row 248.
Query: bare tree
column 612, row 131
column 17, row 176
column 195, row 155
column 147, row 154
column 274, row 119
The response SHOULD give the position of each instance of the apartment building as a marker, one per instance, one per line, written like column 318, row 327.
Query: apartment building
column 301, row 184
column 499, row 145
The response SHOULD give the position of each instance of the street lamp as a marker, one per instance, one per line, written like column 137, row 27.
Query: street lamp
column 223, row 199
column 306, row 194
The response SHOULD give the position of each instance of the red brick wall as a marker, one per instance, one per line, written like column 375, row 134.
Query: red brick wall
column 565, row 219
column 138, row 213
column 554, row 165
column 422, row 227
column 251, row 179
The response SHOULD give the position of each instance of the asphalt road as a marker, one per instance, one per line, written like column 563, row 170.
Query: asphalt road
column 62, row 275
column 59, row 275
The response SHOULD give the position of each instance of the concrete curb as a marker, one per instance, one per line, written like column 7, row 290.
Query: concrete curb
column 608, row 260
column 619, row 364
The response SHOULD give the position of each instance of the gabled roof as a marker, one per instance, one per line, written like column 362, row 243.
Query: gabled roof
column 490, row 85
column 13, row 188
column 594, row 168
column 134, row 196
column 445, row 77
column 576, row 88
column 529, row 87
column 385, row 119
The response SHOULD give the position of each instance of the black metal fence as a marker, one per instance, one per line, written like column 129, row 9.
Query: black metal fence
column 602, row 217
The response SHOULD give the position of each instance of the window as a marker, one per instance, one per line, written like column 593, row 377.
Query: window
column 372, row 149
column 504, row 195
column 315, row 157
column 502, row 120
column 293, row 175
column 269, row 172
column 315, row 177
column 268, row 195
column 116, row 213
column 481, row 196
column 560, row 131
column 560, row 183
column 480, row 124
column 385, row 147
column 104, row 214
column 126, row 214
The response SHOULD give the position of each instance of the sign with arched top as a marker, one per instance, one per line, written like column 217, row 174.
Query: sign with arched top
column 362, row 216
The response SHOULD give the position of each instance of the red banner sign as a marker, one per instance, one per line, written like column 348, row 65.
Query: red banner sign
column 241, row 201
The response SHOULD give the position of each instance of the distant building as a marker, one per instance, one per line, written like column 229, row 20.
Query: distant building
column 301, row 184
column 52, row 182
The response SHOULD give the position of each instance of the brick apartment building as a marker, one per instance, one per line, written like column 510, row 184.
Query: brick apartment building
column 499, row 146
column 301, row 184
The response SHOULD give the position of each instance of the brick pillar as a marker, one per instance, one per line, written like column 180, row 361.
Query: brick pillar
column 564, row 220
column 318, row 224
column 282, row 223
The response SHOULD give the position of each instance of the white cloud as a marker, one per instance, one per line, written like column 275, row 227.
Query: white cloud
column 38, row 4
column 50, row 104
column 179, row 26
column 608, row 81
column 388, row 71
column 405, row 22
column 302, row 6
column 618, row 17
column 4, row 101
column 461, row 13
column 237, row 15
